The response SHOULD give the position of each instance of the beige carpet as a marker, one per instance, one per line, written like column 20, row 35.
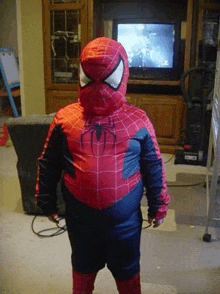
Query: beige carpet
column 42, row 265
column 188, row 198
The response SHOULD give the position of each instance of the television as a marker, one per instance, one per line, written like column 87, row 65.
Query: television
column 153, row 48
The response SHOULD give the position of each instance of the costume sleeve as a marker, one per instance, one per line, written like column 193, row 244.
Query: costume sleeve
column 49, row 170
column 152, row 170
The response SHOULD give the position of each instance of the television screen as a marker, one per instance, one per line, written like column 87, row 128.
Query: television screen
column 149, row 45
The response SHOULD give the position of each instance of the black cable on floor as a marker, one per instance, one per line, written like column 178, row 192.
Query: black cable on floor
column 187, row 185
column 169, row 159
column 58, row 229
column 175, row 148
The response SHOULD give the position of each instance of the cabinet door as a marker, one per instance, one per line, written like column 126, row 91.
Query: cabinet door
column 132, row 99
column 165, row 114
column 58, row 99
column 67, row 28
column 65, row 32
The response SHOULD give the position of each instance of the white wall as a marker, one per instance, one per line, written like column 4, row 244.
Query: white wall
column 30, row 47
column 21, row 28
column 8, row 25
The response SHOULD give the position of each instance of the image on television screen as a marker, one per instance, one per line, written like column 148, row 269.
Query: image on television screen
column 148, row 45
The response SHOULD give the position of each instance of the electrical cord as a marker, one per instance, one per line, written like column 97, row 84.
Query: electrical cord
column 187, row 185
column 59, row 229
column 62, row 229
column 175, row 148
column 170, row 158
column 146, row 226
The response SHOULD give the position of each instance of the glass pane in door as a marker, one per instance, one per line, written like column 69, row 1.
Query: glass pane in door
column 65, row 39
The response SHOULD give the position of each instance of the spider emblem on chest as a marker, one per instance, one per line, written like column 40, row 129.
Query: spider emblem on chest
column 98, row 131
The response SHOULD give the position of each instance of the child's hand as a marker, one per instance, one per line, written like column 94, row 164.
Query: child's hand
column 53, row 217
column 156, row 223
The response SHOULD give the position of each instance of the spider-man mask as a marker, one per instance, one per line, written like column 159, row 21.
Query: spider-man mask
column 103, row 76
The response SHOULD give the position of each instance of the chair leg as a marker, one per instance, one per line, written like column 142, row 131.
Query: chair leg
column 12, row 103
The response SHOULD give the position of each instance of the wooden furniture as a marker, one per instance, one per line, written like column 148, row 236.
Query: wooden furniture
column 165, row 113
column 67, row 26
column 14, row 92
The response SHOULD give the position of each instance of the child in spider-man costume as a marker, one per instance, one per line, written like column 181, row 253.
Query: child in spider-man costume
column 106, row 151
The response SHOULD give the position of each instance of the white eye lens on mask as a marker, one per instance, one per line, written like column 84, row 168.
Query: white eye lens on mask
column 83, row 79
column 114, row 79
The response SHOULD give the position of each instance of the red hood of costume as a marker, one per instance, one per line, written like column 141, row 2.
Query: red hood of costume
column 103, row 76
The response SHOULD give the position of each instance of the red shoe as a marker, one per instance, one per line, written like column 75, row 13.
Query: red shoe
column 131, row 286
column 83, row 283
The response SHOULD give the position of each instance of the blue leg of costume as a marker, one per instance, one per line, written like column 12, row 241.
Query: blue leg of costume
column 95, row 245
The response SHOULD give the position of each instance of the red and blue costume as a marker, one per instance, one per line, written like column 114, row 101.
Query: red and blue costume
column 106, row 152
